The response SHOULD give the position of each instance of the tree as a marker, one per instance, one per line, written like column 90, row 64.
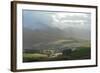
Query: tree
column 67, row 52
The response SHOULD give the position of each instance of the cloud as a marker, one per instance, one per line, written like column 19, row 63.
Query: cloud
column 65, row 20
column 60, row 20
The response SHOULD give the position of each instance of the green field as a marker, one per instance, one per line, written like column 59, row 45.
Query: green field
column 81, row 53
column 78, row 54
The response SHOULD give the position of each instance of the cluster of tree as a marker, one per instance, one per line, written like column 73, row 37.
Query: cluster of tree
column 51, row 52
column 67, row 52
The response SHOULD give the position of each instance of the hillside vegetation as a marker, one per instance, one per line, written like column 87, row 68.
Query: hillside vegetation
column 59, row 50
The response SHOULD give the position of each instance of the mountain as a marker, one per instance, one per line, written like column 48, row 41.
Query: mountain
column 46, row 37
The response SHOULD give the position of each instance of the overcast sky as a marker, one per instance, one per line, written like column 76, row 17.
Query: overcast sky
column 61, row 20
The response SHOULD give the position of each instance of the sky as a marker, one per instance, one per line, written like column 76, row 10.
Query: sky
column 61, row 20
column 71, row 24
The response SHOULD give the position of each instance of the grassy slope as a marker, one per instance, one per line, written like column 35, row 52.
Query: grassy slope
column 82, row 52
column 33, row 57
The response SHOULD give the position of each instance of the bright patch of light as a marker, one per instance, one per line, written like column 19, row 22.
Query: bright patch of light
column 63, row 20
